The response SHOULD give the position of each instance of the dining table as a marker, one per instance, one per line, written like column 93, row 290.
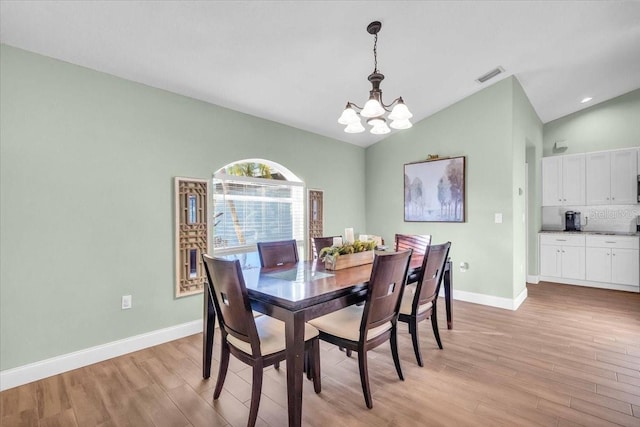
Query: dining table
column 295, row 294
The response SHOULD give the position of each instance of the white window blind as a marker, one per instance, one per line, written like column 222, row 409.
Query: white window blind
column 250, row 210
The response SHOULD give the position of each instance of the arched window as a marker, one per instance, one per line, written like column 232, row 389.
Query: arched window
column 256, row 200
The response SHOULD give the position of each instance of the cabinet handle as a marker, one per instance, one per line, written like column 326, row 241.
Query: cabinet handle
column 609, row 241
column 561, row 240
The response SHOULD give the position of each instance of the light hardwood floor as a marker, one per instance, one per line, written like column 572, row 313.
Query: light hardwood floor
column 569, row 356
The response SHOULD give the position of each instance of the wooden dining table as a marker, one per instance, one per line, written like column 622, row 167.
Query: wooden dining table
column 295, row 294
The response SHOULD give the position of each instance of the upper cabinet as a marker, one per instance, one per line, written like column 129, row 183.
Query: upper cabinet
column 600, row 178
column 563, row 180
column 612, row 177
column 624, row 177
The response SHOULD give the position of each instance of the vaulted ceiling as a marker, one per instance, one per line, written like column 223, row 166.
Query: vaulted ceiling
column 298, row 63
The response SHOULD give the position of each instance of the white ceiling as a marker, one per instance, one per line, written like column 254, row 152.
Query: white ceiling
column 298, row 63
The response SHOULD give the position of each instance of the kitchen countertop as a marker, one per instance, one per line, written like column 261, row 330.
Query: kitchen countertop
column 600, row 233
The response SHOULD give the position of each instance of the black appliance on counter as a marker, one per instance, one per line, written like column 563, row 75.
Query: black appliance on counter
column 572, row 221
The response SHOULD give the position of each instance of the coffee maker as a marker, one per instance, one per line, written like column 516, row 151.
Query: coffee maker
column 572, row 221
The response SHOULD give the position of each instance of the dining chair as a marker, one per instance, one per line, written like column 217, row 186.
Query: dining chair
column 319, row 243
column 277, row 253
column 258, row 342
column 362, row 328
column 419, row 243
column 419, row 300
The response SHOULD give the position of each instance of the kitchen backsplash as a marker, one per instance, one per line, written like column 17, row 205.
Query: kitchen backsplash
column 615, row 218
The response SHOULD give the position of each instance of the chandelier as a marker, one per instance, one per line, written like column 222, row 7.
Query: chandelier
column 374, row 109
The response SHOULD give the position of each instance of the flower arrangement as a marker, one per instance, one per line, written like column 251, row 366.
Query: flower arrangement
column 347, row 248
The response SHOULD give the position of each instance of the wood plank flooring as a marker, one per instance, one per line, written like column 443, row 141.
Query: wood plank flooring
column 569, row 356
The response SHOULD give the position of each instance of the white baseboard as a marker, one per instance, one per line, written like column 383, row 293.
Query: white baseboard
column 533, row 279
column 490, row 300
column 590, row 284
column 15, row 377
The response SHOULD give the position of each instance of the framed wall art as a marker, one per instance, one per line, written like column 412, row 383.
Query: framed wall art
column 434, row 191
column 192, row 228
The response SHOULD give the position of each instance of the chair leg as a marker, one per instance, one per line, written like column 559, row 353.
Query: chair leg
column 346, row 350
column 394, row 352
column 256, row 391
column 314, row 364
column 434, row 325
column 364, row 377
column 222, row 369
column 413, row 330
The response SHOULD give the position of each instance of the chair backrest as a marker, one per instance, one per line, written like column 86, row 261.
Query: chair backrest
column 231, row 300
column 419, row 243
column 386, row 285
column 282, row 252
column 319, row 243
column 432, row 272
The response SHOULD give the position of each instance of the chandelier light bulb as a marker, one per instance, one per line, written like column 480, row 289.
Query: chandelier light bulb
column 348, row 116
column 372, row 108
column 354, row 127
column 400, row 112
column 376, row 121
column 380, row 129
column 401, row 124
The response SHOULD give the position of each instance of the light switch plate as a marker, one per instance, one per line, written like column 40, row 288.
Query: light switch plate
column 498, row 218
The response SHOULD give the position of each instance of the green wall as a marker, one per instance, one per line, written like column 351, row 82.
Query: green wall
column 527, row 142
column 86, row 207
column 484, row 128
column 606, row 126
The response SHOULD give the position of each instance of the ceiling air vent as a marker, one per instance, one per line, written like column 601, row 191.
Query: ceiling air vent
column 491, row 74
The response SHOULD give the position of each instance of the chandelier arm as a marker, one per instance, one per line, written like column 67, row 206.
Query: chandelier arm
column 351, row 104
column 393, row 103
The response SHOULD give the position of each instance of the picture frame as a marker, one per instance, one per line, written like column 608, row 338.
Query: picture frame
column 434, row 190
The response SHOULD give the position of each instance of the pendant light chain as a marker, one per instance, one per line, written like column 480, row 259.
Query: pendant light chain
column 375, row 53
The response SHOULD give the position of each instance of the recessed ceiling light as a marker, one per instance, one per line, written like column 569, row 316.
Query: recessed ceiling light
column 585, row 100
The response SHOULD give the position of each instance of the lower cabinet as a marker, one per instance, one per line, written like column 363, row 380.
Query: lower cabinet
column 614, row 259
column 591, row 260
column 562, row 256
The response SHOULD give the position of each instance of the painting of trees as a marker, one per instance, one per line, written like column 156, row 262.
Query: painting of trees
column 434, row 190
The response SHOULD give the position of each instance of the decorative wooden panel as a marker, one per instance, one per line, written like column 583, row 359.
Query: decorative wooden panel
column 315, row 217
column 192, row 234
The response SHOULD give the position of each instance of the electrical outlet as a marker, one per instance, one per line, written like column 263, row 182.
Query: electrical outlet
column 498, row 218
column 126, row 302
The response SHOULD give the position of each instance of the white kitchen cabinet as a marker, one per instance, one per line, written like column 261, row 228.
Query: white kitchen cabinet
column 550, row 260
column 562, row 256
column 625, row 268
column 611, row 177
column 613, row 259
column 624, row 177
column 598, row 264
column 563, row 180
column 552, row 181
column 598, row 178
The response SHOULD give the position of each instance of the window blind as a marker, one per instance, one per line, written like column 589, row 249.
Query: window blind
column 248, row 210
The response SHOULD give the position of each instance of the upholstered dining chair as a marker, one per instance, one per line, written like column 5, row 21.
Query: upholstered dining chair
column 362, row 328
column 419, row 300
column 319, row 243
column 277, row 253
column 419, row 243
column 258, row 342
